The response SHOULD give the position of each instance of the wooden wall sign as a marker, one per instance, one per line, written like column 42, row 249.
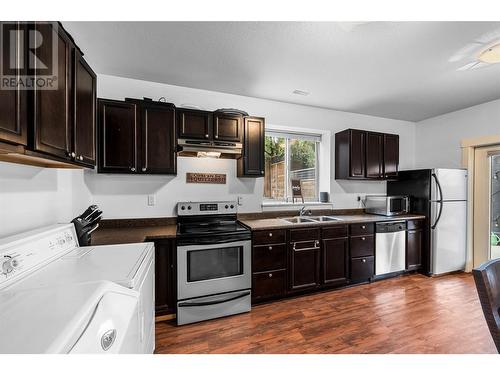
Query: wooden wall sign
column 206, row 178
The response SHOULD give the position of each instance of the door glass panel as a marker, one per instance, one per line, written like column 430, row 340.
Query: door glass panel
column 495, row 208
column 214, row 263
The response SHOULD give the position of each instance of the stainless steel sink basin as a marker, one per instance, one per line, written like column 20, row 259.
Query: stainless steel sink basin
column 325, row 218
column 299, row 219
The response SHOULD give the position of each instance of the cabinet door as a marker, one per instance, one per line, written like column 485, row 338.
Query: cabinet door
column 362, row 269
column 252, row 162
column 117, row 136
column 268, row 285
column 159, row 154
column 391, row 155
column 51, row 112
column 165, row 277
column 335, row 261
column 84, row 111
column 374, row 155
column 413, row 249
column 228, row 127
column 194, row 124
column 357, row 154
column 304, row 265
column 13, row 121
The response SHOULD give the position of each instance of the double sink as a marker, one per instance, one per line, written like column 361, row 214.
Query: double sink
column 310, row 219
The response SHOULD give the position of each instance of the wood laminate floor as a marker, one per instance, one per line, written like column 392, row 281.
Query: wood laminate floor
column 409, row 314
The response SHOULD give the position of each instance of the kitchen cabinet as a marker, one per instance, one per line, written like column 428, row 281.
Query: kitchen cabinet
column 269, row 263
column 137, row 136
column 84, row 115
column 362, row 269
column 335, row 256
column 194, row 124
column 304, row 255
column 414, row 240
column 13, row 110
column 391, row 155
column 227, row 127
column 117, row 136
column 374, row 155
column 52, row 108
column 165, row 277
column 362, row 251
column 252, row 162
column 363, row 155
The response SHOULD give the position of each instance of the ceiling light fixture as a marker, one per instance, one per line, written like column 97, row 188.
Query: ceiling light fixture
column 491, row 55
column 300, row 92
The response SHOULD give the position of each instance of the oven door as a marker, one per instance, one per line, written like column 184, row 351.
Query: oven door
column 208, row 269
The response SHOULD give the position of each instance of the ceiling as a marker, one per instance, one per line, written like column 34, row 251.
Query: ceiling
column 400, row 70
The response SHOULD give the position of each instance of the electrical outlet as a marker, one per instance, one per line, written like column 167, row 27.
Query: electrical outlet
column 240, row 201
column 151, row 200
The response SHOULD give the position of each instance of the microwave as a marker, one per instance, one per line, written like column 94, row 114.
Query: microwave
column 387, row 205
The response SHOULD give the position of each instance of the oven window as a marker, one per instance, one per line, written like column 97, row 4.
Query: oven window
column 214, row 263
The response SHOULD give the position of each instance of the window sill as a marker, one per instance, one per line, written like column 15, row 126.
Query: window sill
column 273, row 206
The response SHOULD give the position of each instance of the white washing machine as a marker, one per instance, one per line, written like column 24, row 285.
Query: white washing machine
column 50, row 259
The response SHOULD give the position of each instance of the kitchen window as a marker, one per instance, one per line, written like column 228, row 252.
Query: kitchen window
column 291, row 159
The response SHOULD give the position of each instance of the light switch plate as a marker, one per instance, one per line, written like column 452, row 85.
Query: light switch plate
column 240, row 201
column 151, row 200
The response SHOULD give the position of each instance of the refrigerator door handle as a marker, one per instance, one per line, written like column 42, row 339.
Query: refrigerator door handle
column 439, row 215
column 439, row 188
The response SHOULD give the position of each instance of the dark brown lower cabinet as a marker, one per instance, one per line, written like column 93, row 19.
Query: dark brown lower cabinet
column 335, row 261
column 304, row 258
column 165, row 277
column 414, row 249
column 268, row 285
column 362, row 269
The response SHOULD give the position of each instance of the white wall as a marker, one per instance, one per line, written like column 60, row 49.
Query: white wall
column 438, row 138
column 31, row 197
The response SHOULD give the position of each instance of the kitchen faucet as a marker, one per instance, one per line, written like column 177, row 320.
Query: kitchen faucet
column 304, row 212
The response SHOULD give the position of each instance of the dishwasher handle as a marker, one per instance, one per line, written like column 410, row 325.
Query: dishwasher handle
column 390, row 227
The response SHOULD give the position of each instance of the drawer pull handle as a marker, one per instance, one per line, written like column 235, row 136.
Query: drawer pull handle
column 270, row 234
column 270, row 247
column 363, row 238
column 363, row 260
column 363, row 227
column 270, row 275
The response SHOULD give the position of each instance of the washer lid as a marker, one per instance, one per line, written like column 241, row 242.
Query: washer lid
column 117, row 263
column 55, row 319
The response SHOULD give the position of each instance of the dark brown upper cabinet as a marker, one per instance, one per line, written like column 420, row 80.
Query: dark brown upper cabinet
column 52, row 108
column 13, row 113
column 194, row 124
column 361, row 154
column 51, row 127
column 158, row 142
column 228, row 127
column 118, row 136
column 374, row 155
column 391, row 155
column 137, row 136
column 84, row 111
column 252, row 162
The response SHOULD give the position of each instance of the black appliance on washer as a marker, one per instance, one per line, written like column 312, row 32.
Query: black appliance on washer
column 213, row 262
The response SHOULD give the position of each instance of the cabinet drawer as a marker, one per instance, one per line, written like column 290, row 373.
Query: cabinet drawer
column 362, row 229
column 263, row 237
column 268, row 257
column 304, row 234
column 415, row 224
column 337, row 231
column 362, row 246
column 362, row 268
column 268, row 285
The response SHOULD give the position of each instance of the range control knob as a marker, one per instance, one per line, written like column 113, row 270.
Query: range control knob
column 8, row 264
column 232, row 206
column 183, row 207
column 226, row 206
column 189, row 207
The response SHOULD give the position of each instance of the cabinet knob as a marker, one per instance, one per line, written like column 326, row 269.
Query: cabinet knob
column 216, row 136
column 270, row 247
column 363, row 238
column 262, row 172
column 270, row 275
column 363, row 227
column 363, row 260
column 132, row 169
column 73, row 154
column 270, row 234
column 144, row 169
column 206, row 135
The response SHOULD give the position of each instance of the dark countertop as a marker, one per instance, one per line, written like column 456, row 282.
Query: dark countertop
column 109, row 236
column 280, row 223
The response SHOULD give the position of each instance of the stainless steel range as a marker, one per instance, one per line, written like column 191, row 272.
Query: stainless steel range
column 213, row 262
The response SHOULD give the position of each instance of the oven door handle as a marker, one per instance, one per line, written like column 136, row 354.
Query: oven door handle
column 214, row 302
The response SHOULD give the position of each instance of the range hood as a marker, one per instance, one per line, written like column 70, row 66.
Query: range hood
column 192, row 147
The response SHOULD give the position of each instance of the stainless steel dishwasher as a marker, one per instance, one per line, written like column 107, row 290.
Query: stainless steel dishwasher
column 390, row 247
